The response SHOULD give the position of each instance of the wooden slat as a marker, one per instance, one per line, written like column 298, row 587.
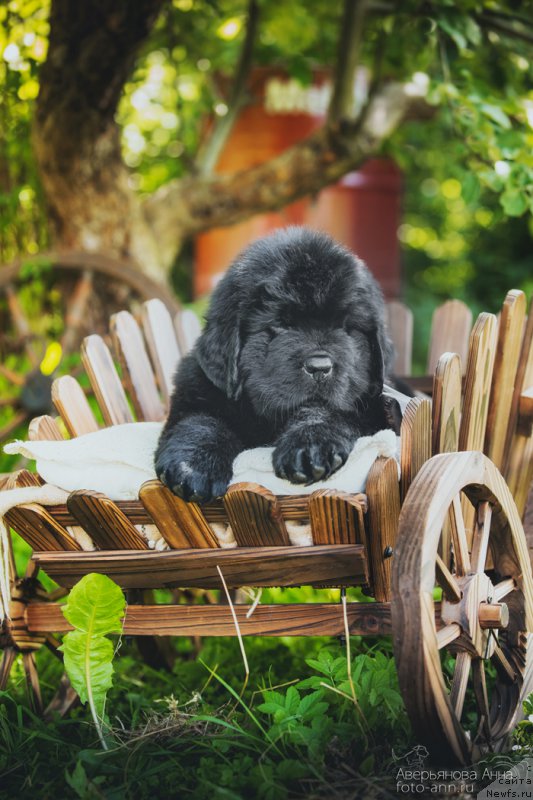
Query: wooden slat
column 40, row 529
column 336, row 518
column 477, row 383
column 22, row 478
column 336, row 565
column 106, row 524
column 415, row 440
column 518, row 468
column 446, row 404
column 297, row 619
column 70, row 401
column 508, row 346
column 450, row 329
column 162, row 343
column 525, row 412
column 44, row 428
column 104, row 380
column 188, row 329
column 383, row 492
column 181, row 524
column 136, row 368
column 255, row 516
column 400, row 325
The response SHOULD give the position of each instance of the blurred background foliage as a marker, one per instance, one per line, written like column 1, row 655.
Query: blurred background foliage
column 468, row 168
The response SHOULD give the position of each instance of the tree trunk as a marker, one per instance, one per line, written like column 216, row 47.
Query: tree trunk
column 92, row 205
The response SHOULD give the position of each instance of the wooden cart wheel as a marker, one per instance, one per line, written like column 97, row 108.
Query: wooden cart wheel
column 479, row 635
column 62, row 311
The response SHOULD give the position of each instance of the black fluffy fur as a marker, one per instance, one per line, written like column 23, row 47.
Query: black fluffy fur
column 287, row 297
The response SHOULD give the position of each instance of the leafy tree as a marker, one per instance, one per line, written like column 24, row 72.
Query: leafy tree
column 118, row 93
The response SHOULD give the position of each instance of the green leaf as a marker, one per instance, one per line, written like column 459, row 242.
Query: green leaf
column 95, row 605
column 514, row 203
column 496, row 114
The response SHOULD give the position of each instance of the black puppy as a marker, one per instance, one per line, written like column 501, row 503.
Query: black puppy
column 293, row 355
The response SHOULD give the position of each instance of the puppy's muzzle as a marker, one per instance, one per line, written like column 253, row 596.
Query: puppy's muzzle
column 318, row 366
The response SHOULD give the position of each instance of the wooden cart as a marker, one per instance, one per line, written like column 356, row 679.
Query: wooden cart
column 442, row 552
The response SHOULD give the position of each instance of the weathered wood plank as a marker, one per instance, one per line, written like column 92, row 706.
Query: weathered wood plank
column 415, row 440
column 383, row 492
column 478, row 380
column 334, row 565
column 105, row 381
column 181, row 524
column 44, row 428
column 510, row 331
column 188, row 329
column 162, row 343
column 254, row 515
column 450, row 329
column 71, row 403
column 337, row 517
column 298, row 619
column 40, row 529
column 400, row 325
column 446, row 404
column 106, row 524
column 136, row 368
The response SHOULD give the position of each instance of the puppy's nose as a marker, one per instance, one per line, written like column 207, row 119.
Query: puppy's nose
column 319, row 365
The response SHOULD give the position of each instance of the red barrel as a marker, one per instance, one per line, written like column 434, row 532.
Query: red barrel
column 362, row 210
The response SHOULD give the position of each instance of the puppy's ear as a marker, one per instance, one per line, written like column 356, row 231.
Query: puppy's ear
column 218, row 349
column 376, row 363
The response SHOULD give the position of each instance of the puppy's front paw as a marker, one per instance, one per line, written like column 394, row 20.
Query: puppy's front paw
column 196, row 478
column 306, row 459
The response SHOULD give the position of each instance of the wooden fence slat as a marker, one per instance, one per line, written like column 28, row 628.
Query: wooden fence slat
column 510, row 332
column 400, row 326
column 518, row 469
column 105, row 381
column 450, row 330
column 478, row 380
column 136, row 368
column 336, row 518
column 415, row 440
column 446, row 404
column 71, row 403
column 106, row 524
column 181, row 524
column 39, row 529
column 44, row 428
column 162, row 342
column 383, row 491
column 188, row 329
column 255, row 516
column 337, row 565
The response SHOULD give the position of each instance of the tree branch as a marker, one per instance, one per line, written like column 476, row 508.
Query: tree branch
column 210, row 153
column 194, row 204
column 342, row 105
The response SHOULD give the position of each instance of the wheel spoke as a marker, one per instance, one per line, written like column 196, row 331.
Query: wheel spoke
column 448, row 634
column 480, row 540
column 11, row 376
column 460, row 681
column 459, row 539
column 8, row 659
column 482, row 700
column 503, row 667
column 76, row 311
column 20, row 321
column 12, row 425
column 447, row 582
column 32, row 681
column 503, row 588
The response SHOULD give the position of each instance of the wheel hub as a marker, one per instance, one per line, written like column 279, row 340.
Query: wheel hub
column 477, row 614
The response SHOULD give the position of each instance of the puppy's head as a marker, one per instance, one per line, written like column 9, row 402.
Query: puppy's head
column 296, row 320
